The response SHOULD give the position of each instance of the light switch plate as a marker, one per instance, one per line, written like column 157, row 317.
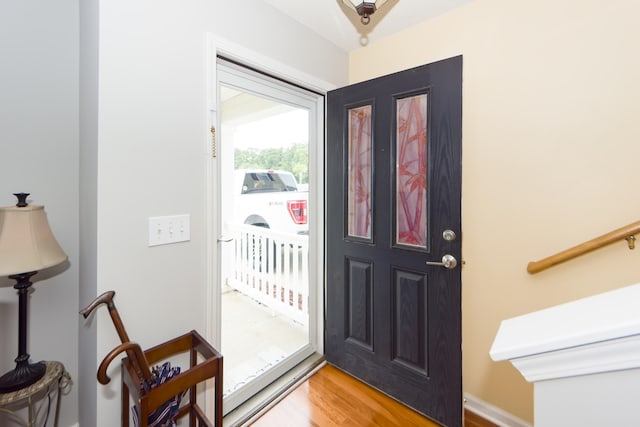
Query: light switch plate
column 169, row 229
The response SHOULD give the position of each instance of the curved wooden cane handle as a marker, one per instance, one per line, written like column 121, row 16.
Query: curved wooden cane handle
column 136, row 355
column 105, row 298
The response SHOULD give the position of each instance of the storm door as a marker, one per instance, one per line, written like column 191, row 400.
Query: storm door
column 266, row 139
column 394, row 236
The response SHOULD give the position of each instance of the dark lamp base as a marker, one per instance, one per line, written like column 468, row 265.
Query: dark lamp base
column 22, row 376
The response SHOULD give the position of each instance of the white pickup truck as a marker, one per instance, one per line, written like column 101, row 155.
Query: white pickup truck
column 271, row 199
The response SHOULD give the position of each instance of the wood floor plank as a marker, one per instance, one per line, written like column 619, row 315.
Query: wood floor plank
column 475, row 420
column 332, row 398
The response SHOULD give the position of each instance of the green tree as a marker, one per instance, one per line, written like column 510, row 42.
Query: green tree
column 294, row 159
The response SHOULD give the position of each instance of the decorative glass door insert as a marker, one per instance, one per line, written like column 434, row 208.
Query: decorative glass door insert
column 360, row 158
column 411, row 171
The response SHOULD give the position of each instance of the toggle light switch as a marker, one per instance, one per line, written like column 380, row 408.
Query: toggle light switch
column 169, row 229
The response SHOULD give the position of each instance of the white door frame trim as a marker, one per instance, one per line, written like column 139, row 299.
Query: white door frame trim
column 217, row 46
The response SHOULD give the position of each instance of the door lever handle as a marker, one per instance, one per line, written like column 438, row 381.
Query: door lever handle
column 224, row 239
column 448, row 261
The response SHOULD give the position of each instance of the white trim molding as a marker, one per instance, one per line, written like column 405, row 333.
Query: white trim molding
column 606, row 356
column 583, row 358
column 592, row 335
column 221, row 46
column 492, row 413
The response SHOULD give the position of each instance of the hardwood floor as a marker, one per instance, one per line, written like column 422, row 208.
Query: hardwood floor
column 332, row 398
column 475, row 420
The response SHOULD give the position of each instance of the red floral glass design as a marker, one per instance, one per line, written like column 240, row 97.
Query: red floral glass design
column 359, row 168
column 411, row 171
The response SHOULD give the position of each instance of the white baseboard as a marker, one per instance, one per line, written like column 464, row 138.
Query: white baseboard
column 492, row 413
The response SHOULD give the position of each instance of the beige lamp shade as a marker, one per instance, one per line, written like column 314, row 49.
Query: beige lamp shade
column 26, row 241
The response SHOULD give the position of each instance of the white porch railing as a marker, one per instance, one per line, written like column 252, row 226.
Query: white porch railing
column 273, row 268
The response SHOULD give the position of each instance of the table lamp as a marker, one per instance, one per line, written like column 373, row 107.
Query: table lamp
column 27, row 245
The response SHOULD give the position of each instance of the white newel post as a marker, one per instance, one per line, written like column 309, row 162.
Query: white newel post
column 583, row 358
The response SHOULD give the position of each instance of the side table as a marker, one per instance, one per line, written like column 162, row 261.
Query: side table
column 37, row 399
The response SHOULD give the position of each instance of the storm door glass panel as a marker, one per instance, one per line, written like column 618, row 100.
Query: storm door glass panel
column 359, row 216
column 411, row 171
column 269, row 133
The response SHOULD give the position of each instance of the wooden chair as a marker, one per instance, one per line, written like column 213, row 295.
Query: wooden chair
column 205, row 363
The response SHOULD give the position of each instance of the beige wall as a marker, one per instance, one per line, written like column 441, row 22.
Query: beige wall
column 551, row 101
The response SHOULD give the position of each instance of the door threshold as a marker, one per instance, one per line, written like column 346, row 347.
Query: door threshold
column 265, row 399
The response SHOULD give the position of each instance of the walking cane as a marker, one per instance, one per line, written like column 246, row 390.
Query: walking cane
column 133, row 350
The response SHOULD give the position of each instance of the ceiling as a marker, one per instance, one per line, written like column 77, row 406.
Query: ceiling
column 336, row 22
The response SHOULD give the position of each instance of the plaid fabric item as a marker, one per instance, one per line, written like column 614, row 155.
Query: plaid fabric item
column 165, row 414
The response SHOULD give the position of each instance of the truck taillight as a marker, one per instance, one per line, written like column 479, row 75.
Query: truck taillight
column 298, row 211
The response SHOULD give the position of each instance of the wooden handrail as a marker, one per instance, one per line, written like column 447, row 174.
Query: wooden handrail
column 626, row 232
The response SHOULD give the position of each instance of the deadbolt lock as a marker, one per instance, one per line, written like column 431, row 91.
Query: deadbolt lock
column 449, row 235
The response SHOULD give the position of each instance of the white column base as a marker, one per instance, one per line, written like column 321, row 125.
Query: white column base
column 583, row 358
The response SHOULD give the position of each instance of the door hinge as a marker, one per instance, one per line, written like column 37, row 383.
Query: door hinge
column 214, row 147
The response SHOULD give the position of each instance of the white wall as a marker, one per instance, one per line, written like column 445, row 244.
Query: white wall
column 88, row 188
column 604, row 399
column 39, row 155
column 152, row 157
column 142, row 151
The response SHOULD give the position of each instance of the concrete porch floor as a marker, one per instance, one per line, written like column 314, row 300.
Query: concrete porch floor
column 254, row 338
